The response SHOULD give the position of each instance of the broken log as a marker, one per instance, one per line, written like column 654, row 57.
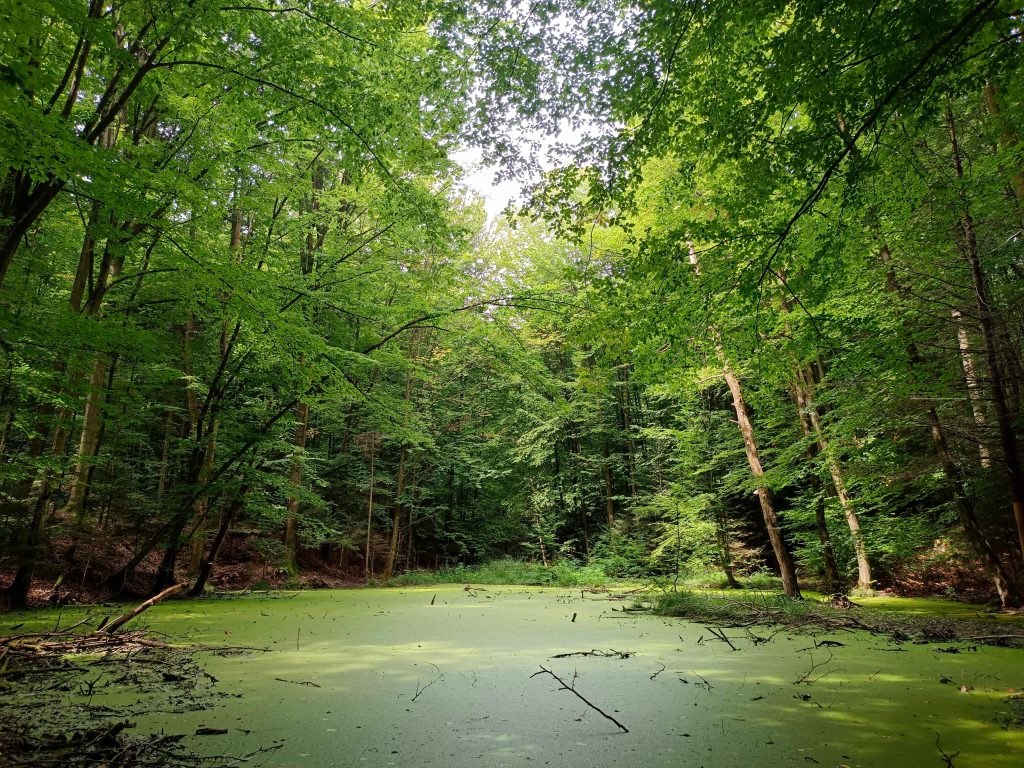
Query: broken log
column 122, row 620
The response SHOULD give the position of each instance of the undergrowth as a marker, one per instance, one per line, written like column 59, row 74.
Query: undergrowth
column 509, row 571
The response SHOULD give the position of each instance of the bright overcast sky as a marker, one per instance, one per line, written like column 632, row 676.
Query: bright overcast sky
column 497, row 195
column 481, row 180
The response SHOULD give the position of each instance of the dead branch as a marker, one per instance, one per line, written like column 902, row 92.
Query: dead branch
column 566, row 687
column 947, row 758
column 806, row 676
column 720, row 634
column 610, row 653
column 420, row 690
column 122, row 620
column 297, row 682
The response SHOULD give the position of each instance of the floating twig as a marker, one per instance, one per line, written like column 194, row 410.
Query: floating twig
column 610, row 653
column 571, row 689
column 720, row 635
column 297, row 682
column 420, row 690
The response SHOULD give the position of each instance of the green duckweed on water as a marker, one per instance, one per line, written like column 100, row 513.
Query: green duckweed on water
column 444, row 676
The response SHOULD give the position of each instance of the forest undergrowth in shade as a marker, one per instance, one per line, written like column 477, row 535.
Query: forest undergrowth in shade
column 759, row 315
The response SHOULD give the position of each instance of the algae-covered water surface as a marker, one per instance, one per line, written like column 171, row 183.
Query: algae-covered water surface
column 444, row 676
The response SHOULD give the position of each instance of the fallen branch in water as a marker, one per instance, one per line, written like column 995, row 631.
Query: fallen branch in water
column 566, row 687
column 946, row 757
column 60, row 644
column 297, row 682
column 720, row 635
column 815, row 666
column 610, row 653
column 122, row 620
column 420, row 690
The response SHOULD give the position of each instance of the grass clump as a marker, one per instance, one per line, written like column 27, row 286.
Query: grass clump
column 721, row 609
column 509, row 571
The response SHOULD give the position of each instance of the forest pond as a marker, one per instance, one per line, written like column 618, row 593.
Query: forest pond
column 445, row 676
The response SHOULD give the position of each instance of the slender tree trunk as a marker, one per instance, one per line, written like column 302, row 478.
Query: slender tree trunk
column 1004, row 419
column 830, row 574
column 396, row 519
column 89, row 443
column 203, row 502
column 412, row 519
column 625, row 403
column 787, row 567
column 1010, row 594
column 724, row 541
column 226, row 518
column 368, row 562
column 609, row 493
column 307, row 258
column 291, row 528
column 161, row 485
column 973, row 391
column 165, row 574
column 864, row 577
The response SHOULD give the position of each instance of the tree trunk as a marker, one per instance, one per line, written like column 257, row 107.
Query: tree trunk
column 830, row 572
column 291, row 532
column 864, row 578
column 1010, row 594
column 226, row 518
column 396, row 519
column 89, row 443
column 724, row 542
column 1004, row 419
column 609, row 500
column 973, row 391
column 787, row 567
column 625, row 403
column 368, row 562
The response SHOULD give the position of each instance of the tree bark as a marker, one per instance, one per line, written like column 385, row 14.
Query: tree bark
column 787, row 567
column 396, row 518
column 88, row 444
column 291, row 532
column 973, row 391
column 864, row 577
column 609, row 493
column 997, row 391
column 830, row 572
column 1010, row 593
column 226, row 518
column 368, row 562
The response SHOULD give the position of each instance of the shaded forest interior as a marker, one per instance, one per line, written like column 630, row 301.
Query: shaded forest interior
column 762, row 310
